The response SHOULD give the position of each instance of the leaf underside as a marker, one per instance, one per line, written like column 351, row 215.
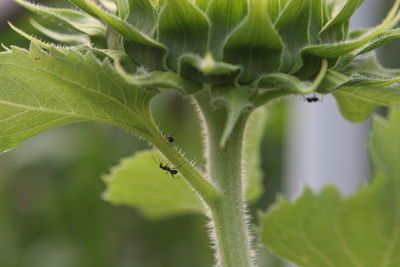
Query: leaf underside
column 138, row 181
column 365, row 85
column 41, row 90
column 326, row 230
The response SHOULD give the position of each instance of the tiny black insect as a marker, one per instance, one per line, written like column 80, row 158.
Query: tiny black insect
column 171, row 171
column 170, row 139
column 168, row 169
column 312, row 99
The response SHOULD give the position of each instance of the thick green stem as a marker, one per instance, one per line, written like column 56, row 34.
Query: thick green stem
column 224, row 167
column 206, row 190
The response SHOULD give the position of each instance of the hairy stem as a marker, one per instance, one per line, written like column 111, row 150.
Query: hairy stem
column 224, row 167
column 206, row 190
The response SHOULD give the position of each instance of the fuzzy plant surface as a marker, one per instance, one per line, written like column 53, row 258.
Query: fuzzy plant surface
column 110, row 58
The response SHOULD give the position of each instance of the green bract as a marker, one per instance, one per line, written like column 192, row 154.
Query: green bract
column 271, row 48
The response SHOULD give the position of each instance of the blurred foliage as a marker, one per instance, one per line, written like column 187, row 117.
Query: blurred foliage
column 326, row 229
column 51, row 211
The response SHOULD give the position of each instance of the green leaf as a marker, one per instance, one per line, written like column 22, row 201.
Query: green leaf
column 40, row 90
column 332, row 81
column 363, row 70
column 65, row 38
column 331, row 8
column 110, row 5
column 255, row 44
column 224, row 15
column 207, row 71
column 160, row 80
column 32, row 38
column 327, row 230
column 335, row 30
column 84, row 6
column 123, row 9
column 141, row 14
column 127, row 30
column 384, row 144
column 289, row 11
column 279, row 84
column 362, row 86
column 293, row 26
column 316, row 20
column 183, row 28
column 252, row 142
column 334, row 50
column 285, row 82
column 382, row 39
column 139, row 182
column 203, row 4
column 274, row 8
column 143, row 49
column 354, row 107
column 357, row 103
column 73, row 19
column 366, row 70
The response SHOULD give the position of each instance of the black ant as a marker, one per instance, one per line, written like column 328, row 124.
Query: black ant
column 171, row 171
column 170, row 139
column 312, row 99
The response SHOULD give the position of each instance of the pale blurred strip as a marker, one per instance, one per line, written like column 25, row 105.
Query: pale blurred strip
column 322, row 147
column 8, row 9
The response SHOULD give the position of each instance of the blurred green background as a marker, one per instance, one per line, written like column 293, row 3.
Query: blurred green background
column 51, row 211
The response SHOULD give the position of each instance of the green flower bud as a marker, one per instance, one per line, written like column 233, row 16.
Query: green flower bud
column 271, row 48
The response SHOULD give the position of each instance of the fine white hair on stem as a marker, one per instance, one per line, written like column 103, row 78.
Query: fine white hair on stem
column 206, row 150
column 204, row 129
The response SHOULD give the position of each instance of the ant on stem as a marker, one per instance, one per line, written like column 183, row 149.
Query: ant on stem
column 170, row 139
column 168, row 169
column 172, row 171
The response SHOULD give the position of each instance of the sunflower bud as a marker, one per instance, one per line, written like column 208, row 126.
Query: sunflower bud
column 270, row 48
